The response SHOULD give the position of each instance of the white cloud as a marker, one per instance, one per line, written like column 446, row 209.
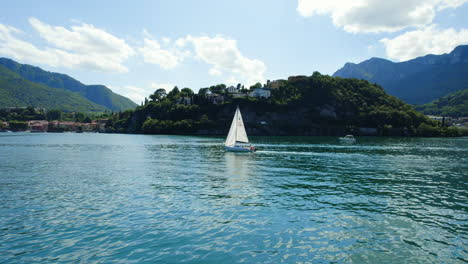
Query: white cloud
column 451, row 3
column 219, row 52
column 225, row 58
column 181, row 42
column 154, row 86
column 215, row 72
column 429, row 40
column 166, row 40
column 93, row 47
column 83, row 47
column 371, row 48
column 83, row 39
column 146, row 34
column 22, row 50
column 11, row 46
column 153, row 53
column 373, row 16
column 87, row 47
column 137, row 93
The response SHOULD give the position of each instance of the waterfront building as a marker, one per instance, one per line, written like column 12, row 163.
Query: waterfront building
column 38, row 125
column 260, row 93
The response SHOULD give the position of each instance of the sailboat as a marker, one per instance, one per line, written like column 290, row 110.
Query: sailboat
column 348, row 139
column 237, row 138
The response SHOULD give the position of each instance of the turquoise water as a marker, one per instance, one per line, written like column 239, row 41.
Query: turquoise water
column 102, row 198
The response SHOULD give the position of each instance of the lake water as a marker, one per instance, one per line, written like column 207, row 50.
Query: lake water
column 108, row 198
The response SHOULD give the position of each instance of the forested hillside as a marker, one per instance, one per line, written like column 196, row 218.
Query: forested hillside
column 302, row 105
column 453, row 105
column 18, row 92
column 98, row 94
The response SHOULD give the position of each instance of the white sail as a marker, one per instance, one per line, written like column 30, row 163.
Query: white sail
column 237, row 131
column 231, row 138
column 241, row 135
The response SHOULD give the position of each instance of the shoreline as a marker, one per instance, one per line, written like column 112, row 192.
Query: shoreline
column 253, row 135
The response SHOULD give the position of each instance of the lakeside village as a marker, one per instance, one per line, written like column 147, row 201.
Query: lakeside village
column 100, row 125
column 95, row 126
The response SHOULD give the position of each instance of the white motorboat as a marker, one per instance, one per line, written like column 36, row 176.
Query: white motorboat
column 348, row 139
column 237, row 139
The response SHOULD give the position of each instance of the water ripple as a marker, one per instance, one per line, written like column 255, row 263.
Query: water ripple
column 96, row 198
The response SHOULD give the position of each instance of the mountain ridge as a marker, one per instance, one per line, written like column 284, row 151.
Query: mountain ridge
column 417, row 81
column 98, row 94
column 16, row 91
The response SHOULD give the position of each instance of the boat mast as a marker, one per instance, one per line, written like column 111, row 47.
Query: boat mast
column 237, row 118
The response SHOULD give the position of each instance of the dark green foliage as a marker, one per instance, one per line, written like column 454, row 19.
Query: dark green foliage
column 202, row 91
column 255, row 86
column 416, row 81
column 21, row 114
column 97, row 94
column 300, row 105
column 219, row 88
column 355, row 102
column 79, row 117
column 18, row 125
column 453, row 105
column 120, row 122
column 186, row 92
column 174, row 93
column 155, row 126
column 54, row 114
column 157, row 96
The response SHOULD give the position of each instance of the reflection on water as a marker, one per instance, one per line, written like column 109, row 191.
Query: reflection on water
column 168, row 199
column 237, row 165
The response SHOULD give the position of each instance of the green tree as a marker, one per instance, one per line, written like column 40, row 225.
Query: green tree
column 18, row 125
column 219, row 88
column 31, row 111
column 186, row 92
column 174, row 93
column 428, row 130
column 79, row 117
column 54, row 114
column 202, row 91
column 158, row 95
column 317, row 101
column 255, row 86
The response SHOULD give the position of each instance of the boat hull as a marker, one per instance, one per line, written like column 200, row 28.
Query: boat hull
column 347, row 140
column 239, row 149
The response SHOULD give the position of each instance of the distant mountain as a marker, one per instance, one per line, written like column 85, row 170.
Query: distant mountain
column 453, row 105
column 16, row 91
column 416, row 81
column 98, row 94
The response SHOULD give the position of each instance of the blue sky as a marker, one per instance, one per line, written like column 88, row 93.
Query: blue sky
column 135, row 47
